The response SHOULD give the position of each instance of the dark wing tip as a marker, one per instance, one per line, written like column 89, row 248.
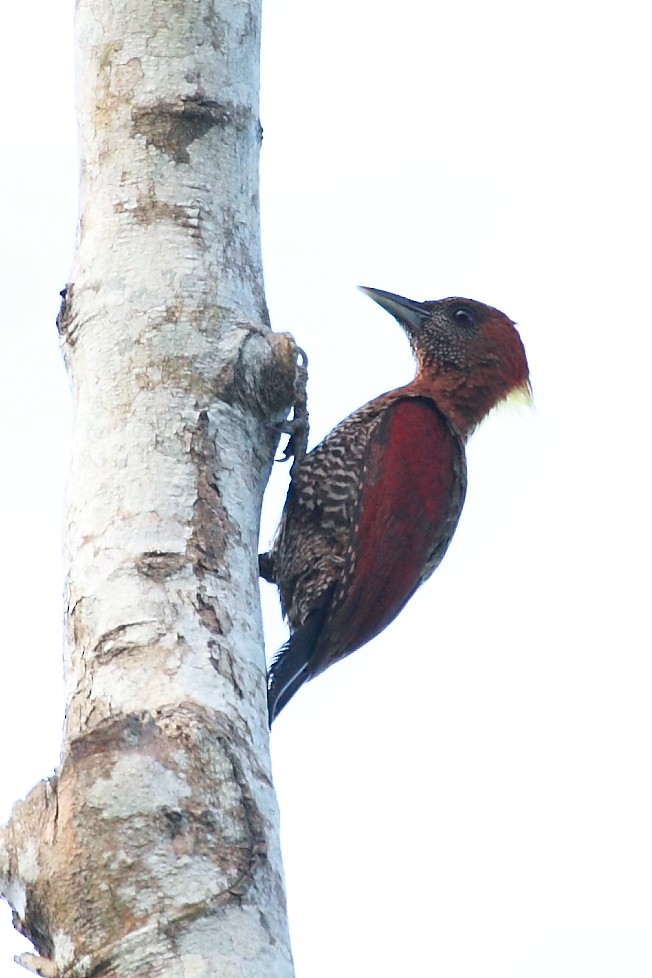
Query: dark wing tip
column 295, row 662
column 284, row 680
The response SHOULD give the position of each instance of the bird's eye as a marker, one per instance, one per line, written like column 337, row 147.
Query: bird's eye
column 464, row 317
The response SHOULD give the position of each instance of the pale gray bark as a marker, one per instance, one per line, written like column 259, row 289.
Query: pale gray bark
column 154, row 851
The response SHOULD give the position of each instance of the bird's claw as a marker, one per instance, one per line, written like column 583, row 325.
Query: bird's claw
column 296, row 445
column 297, row 426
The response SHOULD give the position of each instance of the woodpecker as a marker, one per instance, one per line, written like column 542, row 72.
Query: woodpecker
column 371, row 510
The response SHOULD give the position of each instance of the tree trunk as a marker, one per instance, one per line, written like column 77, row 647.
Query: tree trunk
column 155, row 851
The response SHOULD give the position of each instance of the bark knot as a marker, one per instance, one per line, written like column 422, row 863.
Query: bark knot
column 171, row 127
column 159, row 565
column 164, row 796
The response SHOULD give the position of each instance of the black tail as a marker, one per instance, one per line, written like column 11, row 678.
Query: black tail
column 292, row 665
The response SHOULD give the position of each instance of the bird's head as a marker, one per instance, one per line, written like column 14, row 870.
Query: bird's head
column 469, row 356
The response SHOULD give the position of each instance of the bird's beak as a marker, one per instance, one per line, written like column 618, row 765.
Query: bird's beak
column 408, row 312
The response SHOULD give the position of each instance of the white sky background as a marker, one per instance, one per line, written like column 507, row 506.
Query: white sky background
column 470, row 794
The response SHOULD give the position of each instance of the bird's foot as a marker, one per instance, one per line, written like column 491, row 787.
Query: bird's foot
column 266, row 567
